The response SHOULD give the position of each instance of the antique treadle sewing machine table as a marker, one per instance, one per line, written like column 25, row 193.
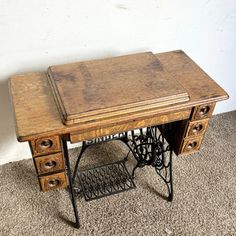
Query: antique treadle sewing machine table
column 155, row 104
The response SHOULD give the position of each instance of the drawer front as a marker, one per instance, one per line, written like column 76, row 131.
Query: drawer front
column 42, row 146
column 197, row 128
column 203, row 111
column 49, row 163
column 54, row 181
column 191, row 145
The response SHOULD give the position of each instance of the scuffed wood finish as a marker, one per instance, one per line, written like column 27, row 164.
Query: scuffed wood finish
column 99, row 89
column 37, row 115
column 200, row 87
column 54, row 181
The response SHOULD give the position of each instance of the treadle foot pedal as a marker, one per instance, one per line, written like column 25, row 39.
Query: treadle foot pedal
column 105, row 180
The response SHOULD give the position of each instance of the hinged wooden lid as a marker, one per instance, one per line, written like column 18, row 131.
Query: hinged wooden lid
column 98, row 89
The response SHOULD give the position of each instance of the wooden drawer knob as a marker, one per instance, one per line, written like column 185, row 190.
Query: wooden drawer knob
column 47, row 143
column 204, row 110
column 197, row 128
column 53, row 183
column 50, row 164
column 192, row 145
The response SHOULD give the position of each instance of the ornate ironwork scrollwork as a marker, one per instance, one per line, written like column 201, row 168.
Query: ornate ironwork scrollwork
column 147, row 145
column 150, row 148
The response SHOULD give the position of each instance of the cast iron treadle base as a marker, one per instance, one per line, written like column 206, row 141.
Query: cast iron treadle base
column 105, row 180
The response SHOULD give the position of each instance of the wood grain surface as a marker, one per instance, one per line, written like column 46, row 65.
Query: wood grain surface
column 36, row 113
column 98, row 89
column 130, row 125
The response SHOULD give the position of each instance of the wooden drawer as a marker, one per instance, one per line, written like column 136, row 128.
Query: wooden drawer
column 197, row 128
column 54, row 181
column 191, row 145
column 203, row 111
column 45, row 145
column 49, row 163
column 130, row 125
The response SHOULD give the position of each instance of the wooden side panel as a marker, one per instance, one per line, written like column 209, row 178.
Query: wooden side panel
column 175, row 133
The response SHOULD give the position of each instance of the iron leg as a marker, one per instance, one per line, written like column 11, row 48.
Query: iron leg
column 71, row 187
column 167, row 176
column 171, row 194
column 78, row 160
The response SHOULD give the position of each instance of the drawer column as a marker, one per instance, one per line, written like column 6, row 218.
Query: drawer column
column 195, row 128
column 49, row 162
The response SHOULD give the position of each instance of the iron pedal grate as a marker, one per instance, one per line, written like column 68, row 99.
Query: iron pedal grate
column 105, row 180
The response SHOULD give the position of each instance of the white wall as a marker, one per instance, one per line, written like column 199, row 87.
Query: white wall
column 37, row 33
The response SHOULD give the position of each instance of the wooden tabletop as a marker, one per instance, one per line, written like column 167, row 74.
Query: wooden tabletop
column 98, row 89
column 36, row 113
